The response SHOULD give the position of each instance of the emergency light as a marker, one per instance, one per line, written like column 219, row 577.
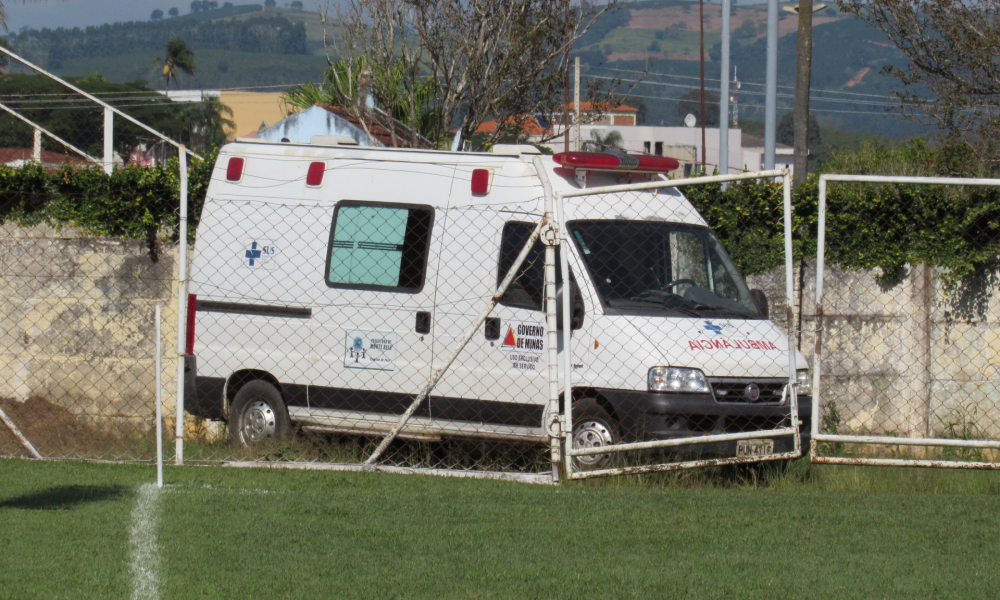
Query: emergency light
column 581, row 162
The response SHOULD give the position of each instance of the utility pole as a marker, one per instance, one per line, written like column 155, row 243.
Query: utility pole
column 803, row 81
column 771, row 85
column 701, row 59
column 576, row 105
column 724, row 93
column 566, row 86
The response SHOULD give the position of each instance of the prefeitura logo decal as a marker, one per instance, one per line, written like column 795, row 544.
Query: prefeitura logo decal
column 722, row 335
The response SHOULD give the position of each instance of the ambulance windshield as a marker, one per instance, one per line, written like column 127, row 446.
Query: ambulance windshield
column 655, row 266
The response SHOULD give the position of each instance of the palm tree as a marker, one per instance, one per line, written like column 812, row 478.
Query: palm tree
column 179, row 58
column 603, row 141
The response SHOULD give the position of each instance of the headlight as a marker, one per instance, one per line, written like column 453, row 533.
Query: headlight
column 674, row 379
column 805, row 382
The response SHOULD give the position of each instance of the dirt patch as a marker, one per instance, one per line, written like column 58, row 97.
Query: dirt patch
column 675, row 16
column 858, row 77
column 661, row 55
column 57, row 433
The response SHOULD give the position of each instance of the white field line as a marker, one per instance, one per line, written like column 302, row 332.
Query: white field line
column 145, row 558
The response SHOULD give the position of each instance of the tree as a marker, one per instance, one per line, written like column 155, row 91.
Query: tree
column 785, row 133
column 952, row 78
column 270, row 3
column 195, row 6
column 173, row 12
column 503, row 60
column 157, row 15
column 297, row 5
column 602, row 141
column 690, row 104
column 179, row 58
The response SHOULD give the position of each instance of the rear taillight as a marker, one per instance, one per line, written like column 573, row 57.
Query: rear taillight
column 189, row 337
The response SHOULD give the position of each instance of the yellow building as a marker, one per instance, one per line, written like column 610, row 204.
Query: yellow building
column 250, row 109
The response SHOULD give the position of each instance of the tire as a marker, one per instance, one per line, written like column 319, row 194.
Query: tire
column 258, row 415
column 592, row 427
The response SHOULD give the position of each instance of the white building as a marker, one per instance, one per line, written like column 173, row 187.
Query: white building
column 684, row 143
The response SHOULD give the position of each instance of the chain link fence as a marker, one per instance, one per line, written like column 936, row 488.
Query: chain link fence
column 907, row 358
column 677, row 363
column 362, row 331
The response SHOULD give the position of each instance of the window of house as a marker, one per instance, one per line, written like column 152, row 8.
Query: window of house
column 379, row 246
column 645, row 147
column 659, row 148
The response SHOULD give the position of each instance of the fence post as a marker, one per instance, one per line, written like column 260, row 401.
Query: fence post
column 159, row 400
column 36, row 146
column 818, row 349
column 109, row 131
column 551, row 239
column 181, row 302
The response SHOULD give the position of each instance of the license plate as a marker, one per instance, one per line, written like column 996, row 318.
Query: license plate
column 754, row 448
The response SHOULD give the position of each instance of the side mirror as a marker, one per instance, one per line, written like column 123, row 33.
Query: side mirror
column 577, row 310
column 760, row 300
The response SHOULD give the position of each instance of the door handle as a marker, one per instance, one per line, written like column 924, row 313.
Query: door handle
column 423, row 324
column 493, row 328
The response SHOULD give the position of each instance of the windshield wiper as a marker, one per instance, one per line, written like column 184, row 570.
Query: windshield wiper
column 667, row 300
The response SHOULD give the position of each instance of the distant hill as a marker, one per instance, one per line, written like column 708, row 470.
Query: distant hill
column 236, row 28
column 661, row 38
column 250, row 46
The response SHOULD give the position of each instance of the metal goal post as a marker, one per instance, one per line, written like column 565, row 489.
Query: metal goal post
column 862, row 419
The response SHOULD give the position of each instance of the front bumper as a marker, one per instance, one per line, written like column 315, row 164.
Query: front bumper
column 645, row 416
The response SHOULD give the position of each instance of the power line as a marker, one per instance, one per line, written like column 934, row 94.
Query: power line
column 750, row 82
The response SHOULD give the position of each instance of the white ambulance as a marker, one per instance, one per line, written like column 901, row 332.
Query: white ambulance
column 329, row 281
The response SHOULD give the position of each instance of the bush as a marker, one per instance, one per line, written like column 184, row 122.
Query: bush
column 130, row 203
column 869, row 226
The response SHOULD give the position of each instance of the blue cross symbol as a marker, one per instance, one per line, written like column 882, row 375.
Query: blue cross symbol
column 716, row 329
column 253, row 253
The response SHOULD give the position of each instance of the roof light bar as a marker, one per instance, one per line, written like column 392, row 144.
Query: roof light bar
column 607, row 161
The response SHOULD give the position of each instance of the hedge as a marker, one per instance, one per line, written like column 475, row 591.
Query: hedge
column 868, row 226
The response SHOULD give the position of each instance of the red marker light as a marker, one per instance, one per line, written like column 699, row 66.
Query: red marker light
column 234, row 172
column 480, row 181
column 605, row 161
column 192, row 308
column 314, row 177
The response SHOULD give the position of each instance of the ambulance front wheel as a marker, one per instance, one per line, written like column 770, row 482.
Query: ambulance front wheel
column 258, row 415
column 593, row 427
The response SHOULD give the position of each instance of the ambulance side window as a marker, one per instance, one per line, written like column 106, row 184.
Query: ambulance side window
column 527, row 288
column 378, row 246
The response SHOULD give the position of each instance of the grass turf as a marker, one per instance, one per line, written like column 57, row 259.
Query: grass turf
column 806, row 533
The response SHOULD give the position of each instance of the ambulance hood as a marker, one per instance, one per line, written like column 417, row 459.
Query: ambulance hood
column 719, row 347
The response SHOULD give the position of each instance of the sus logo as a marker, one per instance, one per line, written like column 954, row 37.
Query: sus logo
column 718, row 329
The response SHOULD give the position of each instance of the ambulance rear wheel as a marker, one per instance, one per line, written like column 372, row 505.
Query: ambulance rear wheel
column 258, row 415
column 593, row 427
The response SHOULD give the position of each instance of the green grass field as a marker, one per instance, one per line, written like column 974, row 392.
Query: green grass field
column 70, row 529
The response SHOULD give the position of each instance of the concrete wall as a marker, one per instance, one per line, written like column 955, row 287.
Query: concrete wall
column 902, row 356
column 77, row 323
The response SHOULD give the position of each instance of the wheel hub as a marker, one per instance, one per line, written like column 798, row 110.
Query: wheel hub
column 258, row 422
column 592, row 434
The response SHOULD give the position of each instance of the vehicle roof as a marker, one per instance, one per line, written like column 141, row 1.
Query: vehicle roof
column 514, row 179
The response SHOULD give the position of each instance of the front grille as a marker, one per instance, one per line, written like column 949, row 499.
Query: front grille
column 734, row 390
